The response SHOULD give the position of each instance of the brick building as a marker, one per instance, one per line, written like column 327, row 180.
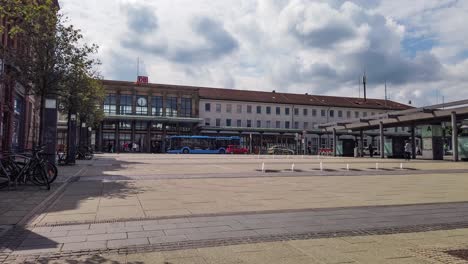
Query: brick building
column 19, row 110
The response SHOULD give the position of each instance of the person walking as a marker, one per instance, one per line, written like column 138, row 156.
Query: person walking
column 371, row 150
column 407, row 150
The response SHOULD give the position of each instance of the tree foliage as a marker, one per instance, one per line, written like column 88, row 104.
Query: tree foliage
column 51, row 58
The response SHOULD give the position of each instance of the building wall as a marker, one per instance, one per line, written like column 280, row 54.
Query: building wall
column 304, row 121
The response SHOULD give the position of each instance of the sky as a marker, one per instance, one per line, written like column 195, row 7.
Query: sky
column 418, row 48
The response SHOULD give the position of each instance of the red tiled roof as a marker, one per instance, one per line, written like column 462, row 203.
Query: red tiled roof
column 298, row 99
column 277, row 98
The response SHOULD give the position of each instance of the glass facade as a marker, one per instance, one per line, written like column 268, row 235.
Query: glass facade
column 171, row 106
column 125, row 105
column 186, row 107
column 110, row 104
column 157, row 106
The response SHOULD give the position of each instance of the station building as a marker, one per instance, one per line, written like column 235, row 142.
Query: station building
column 146, row 114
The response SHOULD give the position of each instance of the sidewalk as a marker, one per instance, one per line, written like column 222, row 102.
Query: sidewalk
column 412, row 248
column 16, row 204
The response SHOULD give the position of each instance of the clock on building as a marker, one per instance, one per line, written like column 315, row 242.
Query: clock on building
column 141, row 101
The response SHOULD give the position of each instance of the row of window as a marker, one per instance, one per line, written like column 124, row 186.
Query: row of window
column 260, row 124
column 142, row 126
column 125, row 106
column 287, row 111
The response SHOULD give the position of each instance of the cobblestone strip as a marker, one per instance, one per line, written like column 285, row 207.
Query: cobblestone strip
column 420, row 206
column 285, row 173
column 181, row 245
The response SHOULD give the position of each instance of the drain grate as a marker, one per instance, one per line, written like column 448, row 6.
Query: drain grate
column 459, row 253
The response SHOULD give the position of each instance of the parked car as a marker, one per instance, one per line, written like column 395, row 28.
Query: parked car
column 278, row 150
column 235, row 149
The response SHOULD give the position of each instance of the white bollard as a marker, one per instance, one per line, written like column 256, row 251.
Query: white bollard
column 376, row 166
column 263, row 166
column 321, row 166
column 292, row 167
column 401, row 166
column 347, row 167
column 302, row 156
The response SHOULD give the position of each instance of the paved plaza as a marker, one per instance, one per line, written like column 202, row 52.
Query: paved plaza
column 144, row 208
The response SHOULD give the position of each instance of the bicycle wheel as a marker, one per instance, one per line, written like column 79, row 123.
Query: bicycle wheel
column 38, row 175
column 4, row 176
column 51, row 171
column 89, row 155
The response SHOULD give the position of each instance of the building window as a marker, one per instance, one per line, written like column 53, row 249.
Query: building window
column 286, row 111
column 348, row 114
column 142, row 105
column 268, row 110
column 218, row 108
column 296, row 125
column 126, row 105
column 228, row 108
column 207, row 107
column 340, row 113
column 372, row 113
column 314, row 112
column 259, row 123
column 296, row 111
column 356, row 114
column 314, row 125
column 171, row 106
column 249, row 123
column 305, row 112
column 125, row 125
column 332, row 113
column 157, row 106
column 110, row 104
column 141, row 125
column 249, row 109
column 207, row 122
column 306, row 125
column 278, row 124
column 259, row 109
column 268, row 124
column 286, row 124
column 364, row 114
column 322, row 113
column 108, row 125
column 186, row 107
column 278, row 110
column 239, row 123
column 228, row 122
column 218, row 122
column 239, row 109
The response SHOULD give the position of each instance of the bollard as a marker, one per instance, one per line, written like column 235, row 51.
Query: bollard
column 347, row 167
column 302, row 156
column 292, row 167
column 263, row 167
column 401, row 166
column 376, row 166
column 321, row 166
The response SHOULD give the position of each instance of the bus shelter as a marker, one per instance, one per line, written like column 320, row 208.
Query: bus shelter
column 430, row 118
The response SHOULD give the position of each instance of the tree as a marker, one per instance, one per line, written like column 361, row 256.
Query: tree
column 49, row 53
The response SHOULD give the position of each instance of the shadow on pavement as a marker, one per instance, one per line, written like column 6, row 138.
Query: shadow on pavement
column 94, row 259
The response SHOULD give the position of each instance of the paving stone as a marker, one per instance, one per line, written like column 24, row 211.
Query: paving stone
column 85, row 245
column 119, row 243
column 154, row 233
column 104, row 237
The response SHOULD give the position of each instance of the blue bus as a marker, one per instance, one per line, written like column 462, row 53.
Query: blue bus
column 200, row 144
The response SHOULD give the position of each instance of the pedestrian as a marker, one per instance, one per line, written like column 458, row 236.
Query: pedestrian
column 109, row 147
column 407, row 150
column 134, row 147
column 371, row 150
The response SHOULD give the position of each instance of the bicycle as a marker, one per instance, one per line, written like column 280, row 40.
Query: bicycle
column 24, row 168
column 85, row 153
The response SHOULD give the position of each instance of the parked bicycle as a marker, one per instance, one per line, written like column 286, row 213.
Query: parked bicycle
column 84, row 153
column 27, row 168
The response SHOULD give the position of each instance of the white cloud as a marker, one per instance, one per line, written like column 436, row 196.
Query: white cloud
column 288, row 45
